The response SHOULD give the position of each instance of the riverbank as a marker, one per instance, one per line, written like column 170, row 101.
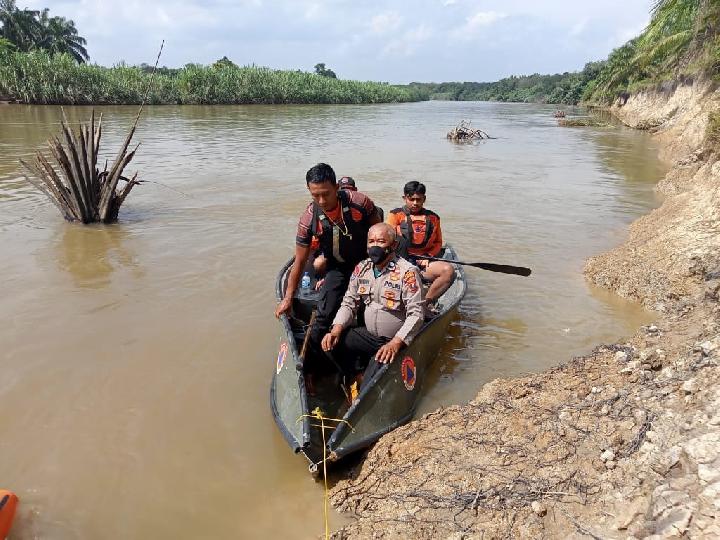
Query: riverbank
column 39, row 78
column 622, row 442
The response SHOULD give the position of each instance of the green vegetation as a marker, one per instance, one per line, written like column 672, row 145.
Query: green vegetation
column 681, row 41
column 42, row 60
column 321, row 70
column 29, row 30
column 712, row 132
column 39, row 77
column 565, row 88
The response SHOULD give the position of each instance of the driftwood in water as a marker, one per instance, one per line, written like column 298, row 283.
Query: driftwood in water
column 73, row 183
column 463, row 132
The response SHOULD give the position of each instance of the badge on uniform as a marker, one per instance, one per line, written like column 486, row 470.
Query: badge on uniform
column 410, row 281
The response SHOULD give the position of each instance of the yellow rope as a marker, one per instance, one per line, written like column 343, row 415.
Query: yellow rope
column 318, row 414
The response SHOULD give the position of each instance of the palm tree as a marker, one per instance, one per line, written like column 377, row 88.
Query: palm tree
column 19, row 26
column 58, row 35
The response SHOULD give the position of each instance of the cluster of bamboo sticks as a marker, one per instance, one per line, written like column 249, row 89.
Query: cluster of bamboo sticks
column 463, row 132
column 74, row 184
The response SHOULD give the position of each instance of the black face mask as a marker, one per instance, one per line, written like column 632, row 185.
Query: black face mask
column 378, row 254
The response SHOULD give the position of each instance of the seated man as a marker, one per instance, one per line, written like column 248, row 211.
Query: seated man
column 340, row 219
column 320, row 263
column 391, row 291
column 420, row 230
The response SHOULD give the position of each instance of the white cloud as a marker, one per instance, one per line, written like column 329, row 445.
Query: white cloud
column 483, row 18
column 313, row 11
column 385, row 22
column 475, row 23
column 408, row 42
column 579, row 27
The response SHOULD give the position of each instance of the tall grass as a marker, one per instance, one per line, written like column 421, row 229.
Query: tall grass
column 38, row 77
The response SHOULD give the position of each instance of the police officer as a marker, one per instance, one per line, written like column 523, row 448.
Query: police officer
column 391, row 290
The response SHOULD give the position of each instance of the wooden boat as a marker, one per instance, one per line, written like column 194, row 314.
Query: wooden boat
column 386, row 401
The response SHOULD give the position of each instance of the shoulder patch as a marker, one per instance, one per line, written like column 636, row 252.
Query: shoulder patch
column 410, row 281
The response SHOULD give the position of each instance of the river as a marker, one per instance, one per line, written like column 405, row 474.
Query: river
column 136, row 358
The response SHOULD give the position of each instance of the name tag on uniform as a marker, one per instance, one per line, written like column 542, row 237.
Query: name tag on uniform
column 364, row 281
column 391, row 285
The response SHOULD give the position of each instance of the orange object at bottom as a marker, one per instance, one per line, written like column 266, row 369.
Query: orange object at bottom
column 8, row 503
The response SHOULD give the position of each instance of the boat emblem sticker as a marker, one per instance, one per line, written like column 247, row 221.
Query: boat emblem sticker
column 408, row 372
column 281, row 357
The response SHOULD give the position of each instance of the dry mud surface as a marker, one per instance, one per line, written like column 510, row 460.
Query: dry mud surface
column 621, row 443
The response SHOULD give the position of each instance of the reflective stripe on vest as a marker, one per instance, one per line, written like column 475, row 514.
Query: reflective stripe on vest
column 332, row 233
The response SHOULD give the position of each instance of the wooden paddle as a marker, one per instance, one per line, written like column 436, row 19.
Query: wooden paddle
column 503, row 268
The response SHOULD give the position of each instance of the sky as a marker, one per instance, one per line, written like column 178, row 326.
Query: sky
column 389, row 40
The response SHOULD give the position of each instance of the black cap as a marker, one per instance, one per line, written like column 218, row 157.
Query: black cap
column 346, row 182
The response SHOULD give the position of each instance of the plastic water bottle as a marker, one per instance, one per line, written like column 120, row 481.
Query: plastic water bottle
column 305, row 283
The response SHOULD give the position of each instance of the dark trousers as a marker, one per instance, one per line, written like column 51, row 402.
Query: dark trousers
column 355, row 349
column 331, row 295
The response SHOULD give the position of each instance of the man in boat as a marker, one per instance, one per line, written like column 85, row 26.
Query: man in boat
column 340, row 219
column 419, row 229
column 390, row 288
column 320, row 262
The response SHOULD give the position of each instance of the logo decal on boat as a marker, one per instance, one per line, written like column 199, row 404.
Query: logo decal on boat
column 407, row 370
column 281, row 357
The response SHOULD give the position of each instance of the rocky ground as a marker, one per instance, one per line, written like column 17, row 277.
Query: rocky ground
column 621, row 443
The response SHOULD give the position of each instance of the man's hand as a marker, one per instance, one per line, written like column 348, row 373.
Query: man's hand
column 387, row 352
column 283, row 307
column 330, row 340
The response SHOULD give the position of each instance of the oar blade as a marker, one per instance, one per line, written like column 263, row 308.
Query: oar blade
column 503, row 268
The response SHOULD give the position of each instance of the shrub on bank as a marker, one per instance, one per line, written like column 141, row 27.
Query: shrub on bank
column 38, row 77
column 712, row 132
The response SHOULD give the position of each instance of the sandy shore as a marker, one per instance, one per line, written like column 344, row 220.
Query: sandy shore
column 620, row 443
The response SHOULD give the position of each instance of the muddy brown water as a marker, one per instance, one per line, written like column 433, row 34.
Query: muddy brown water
column 135, row 358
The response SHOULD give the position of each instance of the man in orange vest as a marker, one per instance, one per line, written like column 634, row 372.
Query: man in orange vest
column 420, row 230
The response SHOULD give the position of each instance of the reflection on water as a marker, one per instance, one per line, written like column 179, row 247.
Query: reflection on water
column 136, row 358
column 90, row 254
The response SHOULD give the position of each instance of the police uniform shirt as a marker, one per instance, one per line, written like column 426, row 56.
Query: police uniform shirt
column 393, row 299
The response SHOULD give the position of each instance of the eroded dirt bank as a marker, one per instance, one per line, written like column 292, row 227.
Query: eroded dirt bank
column 621, row 443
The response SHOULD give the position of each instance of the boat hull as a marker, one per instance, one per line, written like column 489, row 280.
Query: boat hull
column 385, row 402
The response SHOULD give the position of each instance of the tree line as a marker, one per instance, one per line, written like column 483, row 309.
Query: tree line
column 559, row 88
